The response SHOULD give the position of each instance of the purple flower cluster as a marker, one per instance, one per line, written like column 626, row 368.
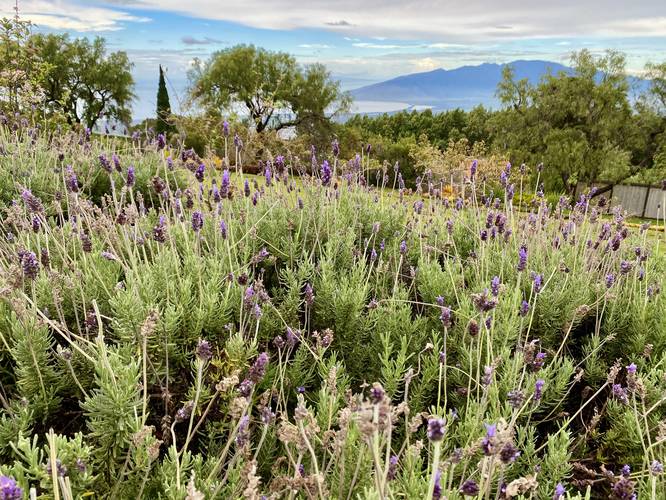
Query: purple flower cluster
column 9, row 489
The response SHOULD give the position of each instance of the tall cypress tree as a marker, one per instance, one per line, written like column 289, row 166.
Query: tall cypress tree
column 164, row 124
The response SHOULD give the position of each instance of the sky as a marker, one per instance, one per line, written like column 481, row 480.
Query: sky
column 360, row 41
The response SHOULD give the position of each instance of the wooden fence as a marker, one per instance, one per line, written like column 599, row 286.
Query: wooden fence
column 640, row 200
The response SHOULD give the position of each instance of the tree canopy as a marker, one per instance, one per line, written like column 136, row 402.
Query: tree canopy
column 164, row 121
column 82, row 81
column 275, row 91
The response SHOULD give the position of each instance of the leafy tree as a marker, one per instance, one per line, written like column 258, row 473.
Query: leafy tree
column 576, row 123
column 164, row 124
column 20, row 66
column 83, row 81
column 273, row 88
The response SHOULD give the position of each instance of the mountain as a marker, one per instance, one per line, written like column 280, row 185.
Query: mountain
column 463, row 87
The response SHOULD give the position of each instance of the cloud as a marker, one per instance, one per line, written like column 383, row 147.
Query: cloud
column 72, row 16
column 341, row 22
column 385, row 46
column 190, row 40
column 442, row 20
column 315, row 46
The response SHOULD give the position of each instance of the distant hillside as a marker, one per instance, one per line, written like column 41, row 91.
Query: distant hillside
column 463, row 87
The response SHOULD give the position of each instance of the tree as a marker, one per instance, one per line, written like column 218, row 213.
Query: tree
column 577, row 123
column 163, row 125
column 83, row 81
column 21, row 67
column 273, row 88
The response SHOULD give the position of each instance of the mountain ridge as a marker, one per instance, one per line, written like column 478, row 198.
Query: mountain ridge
column 463, row 87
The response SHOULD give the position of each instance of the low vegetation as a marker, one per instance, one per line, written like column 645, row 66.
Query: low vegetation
column 174, row 330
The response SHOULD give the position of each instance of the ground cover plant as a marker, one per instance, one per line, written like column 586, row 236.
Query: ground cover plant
column 169, row 329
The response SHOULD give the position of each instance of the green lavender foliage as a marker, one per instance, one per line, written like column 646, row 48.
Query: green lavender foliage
column 160, row 361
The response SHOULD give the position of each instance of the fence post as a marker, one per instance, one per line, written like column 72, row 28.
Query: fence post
column 645, row 202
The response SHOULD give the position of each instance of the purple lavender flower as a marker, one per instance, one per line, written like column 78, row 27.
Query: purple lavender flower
column 309, row 295
column 377, row 394
column 538, row 389
column 537, row 282
column 109, row 256
column 29, row 265
column 487, row 377
column 620, row 394
column 161, row 141
column 204, row 351
column 105, row 163
column 631, row 369
column 522, row 258
column 325, row 173
column 238, row 142
column 656, row 468
column 436, row 429
column 488, row 442
column 510, row 192
column 483, row 301
column 335, row 146
column 538, row 362
column 437, row 490
column 626, row 267
column 610, row 279
column 446, row 317
column 159, row 231
column 403, row 247
column 495, row 286
column 509, row 453
column 473, row 328
column 393, row 468
column 472, row 169
column 185, row 411
column 129, row 182
column 469, row 488
column 200, row 172
column 243, row 435
column 197, row 221
column 268, row 175
column 116, row 162
column 32, row 203
column 503, row 178
column 559, row 492
column 225, row 128
column 623, row 489
column 71, row 180
column 258, row 369
column 524, row 308
column 223, row 230
column 515, row 398
column 279, row 163
column 9, row 489
column 36, row 223
column 245, row 388
column 169, row 161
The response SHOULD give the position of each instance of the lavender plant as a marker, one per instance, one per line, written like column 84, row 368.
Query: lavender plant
column 186, row 331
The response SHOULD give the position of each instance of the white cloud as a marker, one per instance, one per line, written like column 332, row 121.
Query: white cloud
column 426, row 64
column 315, row 46
column 71, row 16
column 384, row 46
column 438, row 20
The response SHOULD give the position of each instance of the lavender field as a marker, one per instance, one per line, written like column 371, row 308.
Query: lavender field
column 174, row 327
